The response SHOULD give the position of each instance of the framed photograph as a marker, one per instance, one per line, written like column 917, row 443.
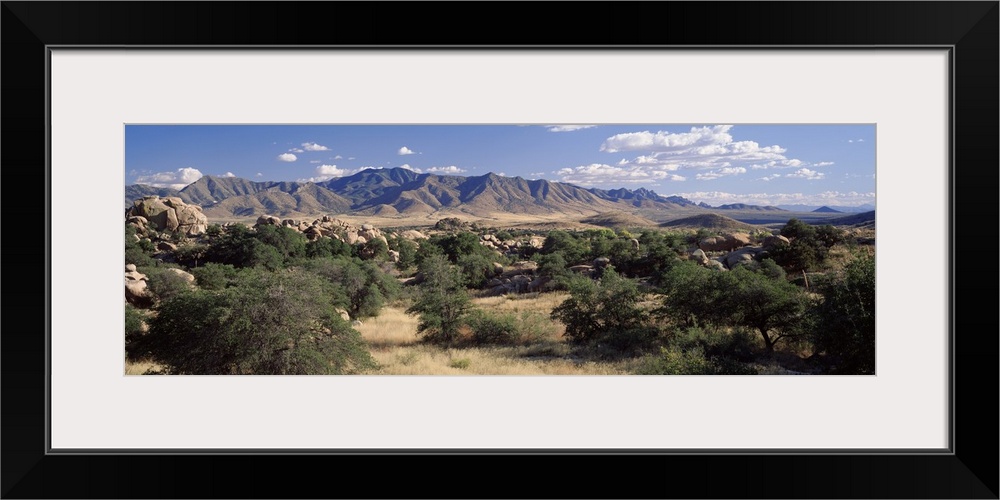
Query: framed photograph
column 917, row 80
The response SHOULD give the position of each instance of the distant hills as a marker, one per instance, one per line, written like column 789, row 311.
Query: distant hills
column 827, row 210
column 859, row 220
column 618, row 220
column 868, row 207
column 401, row 192
column 710, row 221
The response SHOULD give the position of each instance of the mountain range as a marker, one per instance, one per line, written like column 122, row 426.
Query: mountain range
column 402, row 192
column 398, row 191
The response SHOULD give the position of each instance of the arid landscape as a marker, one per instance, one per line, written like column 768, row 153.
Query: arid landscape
column 389, row 271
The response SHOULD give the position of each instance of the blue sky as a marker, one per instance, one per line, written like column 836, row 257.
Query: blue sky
column 714, row 163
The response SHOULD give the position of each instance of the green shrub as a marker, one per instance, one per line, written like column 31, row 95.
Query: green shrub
column 476, row 268
column 461, row 363
column 240, row 246
column 288, row 242
column 739, row 345
column 191, row 254
column 572, row 249
column 600, row 308
column 845, row 328
column 739, row 298
column 213, row 231
column 266, row 323
column 135, row 255
column 213, row 276
column 730, row 352
column 493, row 328
column 326, row 248
column 138, row 252
column 460, row 244
column 163, row 283
column 553, row 266
column 809, row 248
column 133, row 323
column 407, row 252
column 442, row 301
column 376, row 249
column 693, row 361
column 625, row 343
column 675, row 361
column 359, row 286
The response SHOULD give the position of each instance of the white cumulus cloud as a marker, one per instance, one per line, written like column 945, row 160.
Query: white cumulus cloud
column 331, row 170
column 717, row 198
column 228, row 174
column 327, row 172
column 312, row 146
column 722, row 172
column 567, row 128
column 405, row 151
column 289, row 157
column 805, row 173
column 173, row 180
column 338, row 157
column 600, row 173
column 667, row 141
column 710, row 150
column 259, row 175
column 451, row 169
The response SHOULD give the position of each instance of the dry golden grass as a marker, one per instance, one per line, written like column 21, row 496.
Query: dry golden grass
column 393, row 342
column 392, row 328
column 542, row 303
column 496, row 219
column 141, row 367
column 432, row 360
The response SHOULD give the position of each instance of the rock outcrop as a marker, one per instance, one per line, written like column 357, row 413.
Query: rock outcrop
column 698, row 255
column 136, row 292
column 724, row 243
column 413, row 234
column 744, row 255
column 327, row 227
column 510, row 246
column 184, row 275
column 168, row 214
column 775, row 241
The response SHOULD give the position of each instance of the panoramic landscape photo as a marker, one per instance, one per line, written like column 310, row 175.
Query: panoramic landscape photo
column 548, row 249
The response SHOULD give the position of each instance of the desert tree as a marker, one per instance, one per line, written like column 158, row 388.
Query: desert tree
column 846, row 326
column 274, row 323
column 761, row 300
column 601, row 309
column 442, row 300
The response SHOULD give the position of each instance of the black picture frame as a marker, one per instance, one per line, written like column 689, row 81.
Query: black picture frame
column 970, row 470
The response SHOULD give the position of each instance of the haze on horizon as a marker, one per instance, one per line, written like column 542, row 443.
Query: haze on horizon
column 716, row 164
